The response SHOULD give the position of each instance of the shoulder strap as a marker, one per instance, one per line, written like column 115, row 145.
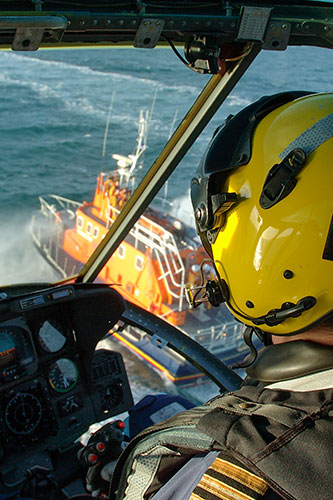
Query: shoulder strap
column 173, row 442
column 273, row 438
column 278, row 439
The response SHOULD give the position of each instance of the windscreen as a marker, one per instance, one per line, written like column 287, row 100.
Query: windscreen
column 80, row 128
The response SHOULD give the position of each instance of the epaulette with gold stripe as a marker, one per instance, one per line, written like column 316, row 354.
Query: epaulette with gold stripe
column 227, row 479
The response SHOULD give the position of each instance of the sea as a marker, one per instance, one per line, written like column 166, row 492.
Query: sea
column 54, row 106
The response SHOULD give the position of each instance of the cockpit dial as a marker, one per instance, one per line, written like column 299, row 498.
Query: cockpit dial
column 23, row 413
column 111, row 396
column 63, row 375
column 51, row 339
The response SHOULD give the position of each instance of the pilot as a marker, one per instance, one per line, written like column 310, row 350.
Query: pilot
column 263, row 207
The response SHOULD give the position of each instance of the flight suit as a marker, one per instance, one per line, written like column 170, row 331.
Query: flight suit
column 280, row 432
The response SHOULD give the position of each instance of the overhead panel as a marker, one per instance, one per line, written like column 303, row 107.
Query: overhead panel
column 33, row 24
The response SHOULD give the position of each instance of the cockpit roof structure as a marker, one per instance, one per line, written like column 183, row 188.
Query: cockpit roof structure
column 28, row 25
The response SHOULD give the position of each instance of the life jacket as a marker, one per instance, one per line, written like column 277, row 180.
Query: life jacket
column 284, row 437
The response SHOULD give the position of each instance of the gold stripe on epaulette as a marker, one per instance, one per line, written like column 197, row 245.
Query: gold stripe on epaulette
column 239, row 474
column 221, row 490
column 194, row 496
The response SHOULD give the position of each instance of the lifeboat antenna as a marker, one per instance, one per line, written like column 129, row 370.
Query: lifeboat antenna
column 107, row 129
column 150, row 114
column 127, row 164
column 141, row 142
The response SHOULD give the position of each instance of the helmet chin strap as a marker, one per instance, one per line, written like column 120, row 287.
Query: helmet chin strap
column 287, row 310
column 276, row 316
column 216, row 292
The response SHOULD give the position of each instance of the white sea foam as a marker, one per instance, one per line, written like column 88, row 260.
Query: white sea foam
column 79, row 105
column 116, row 77
column 182, row 208
column 236, row 100
column 19, row 260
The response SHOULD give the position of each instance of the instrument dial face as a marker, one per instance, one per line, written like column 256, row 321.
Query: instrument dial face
column 23, row 413
column 111, row 396
column 63, row 375
column 51, row 338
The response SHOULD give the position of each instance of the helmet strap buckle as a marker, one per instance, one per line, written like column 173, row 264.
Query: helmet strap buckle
column 281, row 180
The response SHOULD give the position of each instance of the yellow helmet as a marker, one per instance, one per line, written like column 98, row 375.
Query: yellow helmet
column 263, row 202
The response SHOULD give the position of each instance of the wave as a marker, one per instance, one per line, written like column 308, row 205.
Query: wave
column 86, row 70
column 182, row 208
column 236, row 100
column 19, row 260
column 45, row 92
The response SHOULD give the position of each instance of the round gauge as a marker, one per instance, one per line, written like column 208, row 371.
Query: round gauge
column 50, row 337
column 23, row 413
column 111, row 396
column 63, row 375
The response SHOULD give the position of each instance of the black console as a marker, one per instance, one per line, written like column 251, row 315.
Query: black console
column 53, row 383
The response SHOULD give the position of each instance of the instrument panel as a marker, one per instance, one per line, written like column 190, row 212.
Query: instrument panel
column 54, row 383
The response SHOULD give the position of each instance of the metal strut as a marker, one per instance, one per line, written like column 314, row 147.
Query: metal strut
column 208, row 102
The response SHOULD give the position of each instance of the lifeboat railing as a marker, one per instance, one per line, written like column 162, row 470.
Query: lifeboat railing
column 216, row 337
column 50, row 209
column 163, row 244
column 49, row 242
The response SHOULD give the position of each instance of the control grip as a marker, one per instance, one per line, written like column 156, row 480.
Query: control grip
column 104, row 445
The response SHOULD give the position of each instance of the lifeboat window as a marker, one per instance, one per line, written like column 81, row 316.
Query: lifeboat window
column 89, row 228
column 80, row 222
column 139, row 262
column 96, row 231
column 121, row 252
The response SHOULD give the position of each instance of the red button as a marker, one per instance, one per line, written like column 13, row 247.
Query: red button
column 121, row 425
column 92, row 458
column 100, row 446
